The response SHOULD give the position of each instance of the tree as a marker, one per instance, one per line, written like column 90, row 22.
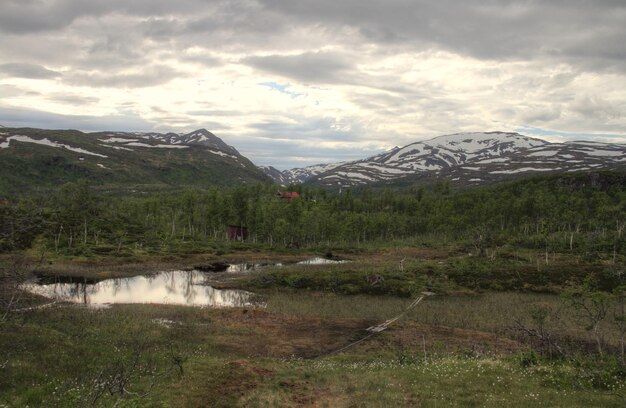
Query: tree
column 13, row 274
column 619, row 317
column 76, row 210
column 19, row 225
column 591, row 306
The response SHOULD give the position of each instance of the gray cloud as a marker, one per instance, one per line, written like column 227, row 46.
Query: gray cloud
column 571, row 30
column 206, row 60
column 22, row 117
column 307, row 67
column 214, row 112
column 30, row 71
column 597, row 107
column 8, row 91
column 535, row 115
column 72, row 99
column 558, row 64
column 150, row 76
column 587, row 34
column 23, row 16
column 305, row 128
column 31, row 16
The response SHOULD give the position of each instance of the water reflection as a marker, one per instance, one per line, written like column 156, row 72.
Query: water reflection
column 174, row 288
column 249, row 267
column 252, row 267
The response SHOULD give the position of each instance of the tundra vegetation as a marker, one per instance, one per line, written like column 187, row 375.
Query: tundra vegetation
column 529, row 304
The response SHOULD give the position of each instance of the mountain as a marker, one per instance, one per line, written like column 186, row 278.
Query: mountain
column 469, row 158
column 298, row 175
column 37, row 159
column 276, row 175
column 200, row 137
column 41, row 160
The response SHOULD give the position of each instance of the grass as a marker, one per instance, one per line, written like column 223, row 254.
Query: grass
column 490, row 312
column 455, row 349
column 106, row 267
column 263, row 357
column 405, row 272
column 436, row 382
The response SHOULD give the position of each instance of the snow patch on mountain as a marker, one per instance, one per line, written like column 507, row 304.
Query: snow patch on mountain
column 544, row 153
column 199, row 139
column 49, row 143
column 496, row 160
column 118, row 140
column 217, row 152
column 158, row 146
column 522, row 170
column 119, row 148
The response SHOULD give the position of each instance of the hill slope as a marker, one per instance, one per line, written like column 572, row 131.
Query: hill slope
column 36, row 159
column 469, row 158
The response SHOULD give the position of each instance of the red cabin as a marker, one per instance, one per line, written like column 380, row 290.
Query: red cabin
column 288, row 195
column 236, row 233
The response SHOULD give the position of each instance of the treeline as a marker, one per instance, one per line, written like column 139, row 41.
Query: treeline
column 584, row 212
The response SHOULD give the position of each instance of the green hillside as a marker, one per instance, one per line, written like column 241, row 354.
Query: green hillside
column 30, row 167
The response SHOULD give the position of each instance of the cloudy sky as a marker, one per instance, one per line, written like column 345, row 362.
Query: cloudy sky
column 297, row 82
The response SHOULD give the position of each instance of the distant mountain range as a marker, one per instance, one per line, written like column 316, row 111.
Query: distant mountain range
column 463, row 158
column 36, row 159
column 298, row 175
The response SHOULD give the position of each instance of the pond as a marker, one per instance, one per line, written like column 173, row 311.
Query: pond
column 172, row 288
column 249, row 267
column 253, row 267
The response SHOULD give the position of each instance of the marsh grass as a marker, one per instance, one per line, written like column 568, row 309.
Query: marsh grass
column 221, row 368
column 405, row 273
column 494, row 312
column 264, row 357
column 433, row 382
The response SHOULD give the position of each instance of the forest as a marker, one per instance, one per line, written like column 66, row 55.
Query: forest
column 578, row 213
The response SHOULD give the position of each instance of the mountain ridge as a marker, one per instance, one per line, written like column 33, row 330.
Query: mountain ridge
column 474, row 158
column 33, row 158
column 39, row 159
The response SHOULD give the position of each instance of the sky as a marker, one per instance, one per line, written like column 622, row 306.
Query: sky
column 291, row 83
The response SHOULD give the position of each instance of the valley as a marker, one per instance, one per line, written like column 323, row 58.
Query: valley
column 342, row 204
column 148, row 280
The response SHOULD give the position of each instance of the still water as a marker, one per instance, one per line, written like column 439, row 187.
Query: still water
column 252, row 267
column 172, row 288
column 249, row 267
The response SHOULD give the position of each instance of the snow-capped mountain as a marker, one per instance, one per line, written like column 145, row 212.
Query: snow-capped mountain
column 298, row 175
column 547, row 158
column 451, row 150
column 198, row 138
column 148, row 161
column 120, row 160
column 470, row 158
